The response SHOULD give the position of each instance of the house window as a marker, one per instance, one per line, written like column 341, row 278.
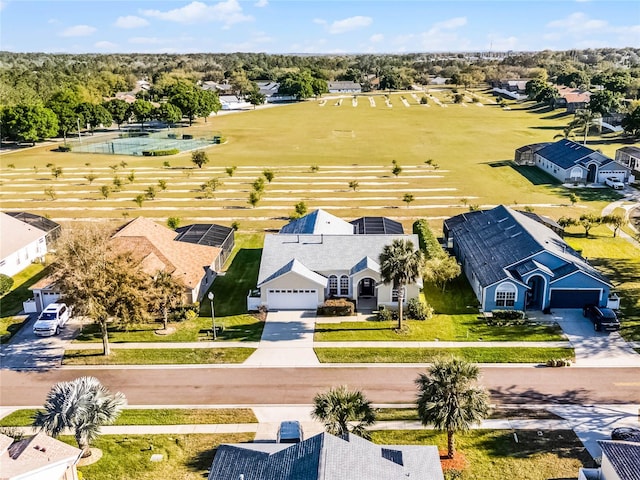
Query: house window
column 333, row 285
column 506, row 295
column 394, row 294
column 344, row 285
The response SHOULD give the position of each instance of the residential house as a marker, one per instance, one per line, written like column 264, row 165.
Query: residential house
column 572, row 99
column 344, row 87
column 437, row 80
column 39, row 457
column 629, row 157
column 271, row 92
column 620, row 461
column 23, row 240
column 211, row 235
column 233, row 102
column 321, row 256
column 571, row 162
column 524, row 155
column 514, row 262
column 326, row 457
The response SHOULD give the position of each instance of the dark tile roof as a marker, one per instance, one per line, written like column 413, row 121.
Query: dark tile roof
column 211, row 235
column 634, row 151
column 377, row 226
column 500, row 241
column 41, row 223
column 325, row 457
column 565, row 153
column 624, row 458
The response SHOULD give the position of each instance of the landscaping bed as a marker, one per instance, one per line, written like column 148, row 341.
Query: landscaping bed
column 157, row 356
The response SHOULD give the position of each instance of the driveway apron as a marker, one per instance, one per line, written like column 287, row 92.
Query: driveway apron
column 287, row 340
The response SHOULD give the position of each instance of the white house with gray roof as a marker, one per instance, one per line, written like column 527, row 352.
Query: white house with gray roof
column 321, row 256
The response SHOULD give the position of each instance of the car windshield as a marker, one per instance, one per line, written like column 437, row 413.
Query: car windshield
column 48, row 316
column 608, row 314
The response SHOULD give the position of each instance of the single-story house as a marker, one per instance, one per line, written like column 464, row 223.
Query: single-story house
column 38, row 457
column 211, row 235
column 572, row 99
column 524, row 154
column 514, row 262
column 620, row 461
column 437, row 80
column 232, row 102
column 629, row 157
column 344, row 87
column 571, row 162
column 23, row 240
column 326, row 457
column 321, row 256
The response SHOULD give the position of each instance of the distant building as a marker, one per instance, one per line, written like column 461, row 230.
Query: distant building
column 344, row 87
column 572, row 99
column 629, row 157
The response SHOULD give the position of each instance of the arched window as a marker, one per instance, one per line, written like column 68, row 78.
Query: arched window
column 506, row 295
column 576, row 173
column 344, row 285
column 333, row 285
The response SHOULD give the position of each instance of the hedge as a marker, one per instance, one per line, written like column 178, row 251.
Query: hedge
column 337, row 307
column 427, row 240
column 160, row 153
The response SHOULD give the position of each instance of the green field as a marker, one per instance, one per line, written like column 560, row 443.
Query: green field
column 471, row 147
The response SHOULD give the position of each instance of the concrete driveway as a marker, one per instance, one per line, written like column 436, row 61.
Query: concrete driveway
column 26, row 351
column 594, row 349
column 287, row 340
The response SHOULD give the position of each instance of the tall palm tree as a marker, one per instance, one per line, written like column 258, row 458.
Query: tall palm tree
column 343, row 411
column 82, row 405
column 400, row 265
column 583, row 121
column 448, row 400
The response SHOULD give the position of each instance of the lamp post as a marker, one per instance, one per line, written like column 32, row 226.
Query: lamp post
column 213, row 316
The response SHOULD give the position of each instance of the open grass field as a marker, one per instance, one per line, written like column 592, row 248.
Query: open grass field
column 494, row 454
column 470, row 146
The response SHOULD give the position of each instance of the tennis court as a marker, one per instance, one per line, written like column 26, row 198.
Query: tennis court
column 145, row 143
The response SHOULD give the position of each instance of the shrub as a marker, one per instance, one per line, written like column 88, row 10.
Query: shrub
column 507, row 314
column 185, row 312
column 163, row 153
column 426, row 239
column 64, row 148
column 337, row 307
column 386, row 314
column 558, row 362
column 419, row 310
column 6, row 282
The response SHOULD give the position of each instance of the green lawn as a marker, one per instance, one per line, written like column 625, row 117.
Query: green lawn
column 159, row 416
column 620, row 261
column 427, row 355
column 495, row 455
column 11, row 303
column 410, row 414
column 185, row 457
column 158, row 356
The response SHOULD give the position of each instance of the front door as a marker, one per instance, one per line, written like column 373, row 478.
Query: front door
column 366, row 287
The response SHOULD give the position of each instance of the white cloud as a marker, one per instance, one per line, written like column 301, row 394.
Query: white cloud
column 227, row 12
column 319, row 21
column 578, row 22
column 500, row 43
column 261, row 3
column 377, row 38
column 78, row 31
column 581, row 31
column 105, row 45
column 442, row 36
column 131, row 21
column 349, row 24
column 455, row 22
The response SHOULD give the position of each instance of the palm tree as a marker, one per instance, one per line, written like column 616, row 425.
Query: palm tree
column 400, row 265
column 583, row 121
column 344, row 411
column 82, row 405
column 448, row 400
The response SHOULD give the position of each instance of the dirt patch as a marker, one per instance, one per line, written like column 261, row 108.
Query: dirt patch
column 456, row 464
column 163, row 331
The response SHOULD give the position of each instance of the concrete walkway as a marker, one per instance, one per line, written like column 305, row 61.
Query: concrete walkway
column 287, row 340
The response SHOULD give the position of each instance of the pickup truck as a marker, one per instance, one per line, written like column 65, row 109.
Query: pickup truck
column 602, row 318
column 614, row 183
column 52, row 319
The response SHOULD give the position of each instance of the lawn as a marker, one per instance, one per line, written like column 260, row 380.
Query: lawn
column 427, row 355
column 495, row 455
column 159, row 416
column 185, row 457
column 346, row 143
column 499, row 412
column 11, row 303
column 620, row 261
column 157, row 356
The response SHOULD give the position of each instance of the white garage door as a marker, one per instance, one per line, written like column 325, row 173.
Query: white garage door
column 292, row 299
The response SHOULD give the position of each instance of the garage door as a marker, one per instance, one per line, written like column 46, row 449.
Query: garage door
column 292, row 299
column 574, row 298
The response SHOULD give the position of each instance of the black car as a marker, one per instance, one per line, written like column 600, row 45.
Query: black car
column 626, row 433
column 602, row 318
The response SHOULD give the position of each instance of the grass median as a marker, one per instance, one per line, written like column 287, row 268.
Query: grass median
column 499, row 412
column 157, row 356
column 154, row 416
column 428, row 355
column 496, row 455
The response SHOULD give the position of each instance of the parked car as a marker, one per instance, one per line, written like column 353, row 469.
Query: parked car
column 52, row 319
column 614, row 183
column 625, row 433
column 602, row 318
column 290, row 432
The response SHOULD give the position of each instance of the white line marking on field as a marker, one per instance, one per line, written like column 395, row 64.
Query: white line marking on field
column 372, row 102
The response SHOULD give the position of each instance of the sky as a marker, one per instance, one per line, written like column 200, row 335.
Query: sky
column 315, row 27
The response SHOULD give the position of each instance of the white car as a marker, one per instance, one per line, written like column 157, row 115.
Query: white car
column 52, row 319
column 614, row 183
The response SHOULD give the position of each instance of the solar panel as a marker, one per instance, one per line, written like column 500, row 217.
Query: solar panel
column 204, row 234
column 377, row 226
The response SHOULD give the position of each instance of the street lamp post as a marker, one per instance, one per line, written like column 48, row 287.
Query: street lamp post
column 213, row 316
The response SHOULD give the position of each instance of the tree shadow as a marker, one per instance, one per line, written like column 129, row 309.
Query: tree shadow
column 517, row 395
column 202, row 461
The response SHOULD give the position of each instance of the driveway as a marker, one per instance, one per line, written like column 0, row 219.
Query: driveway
column 594, row 349
column 287, row 340
column 26, row 351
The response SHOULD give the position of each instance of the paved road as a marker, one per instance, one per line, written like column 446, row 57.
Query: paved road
column 247, row 385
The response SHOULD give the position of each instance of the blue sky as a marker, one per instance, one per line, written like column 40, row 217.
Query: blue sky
column 328, row 26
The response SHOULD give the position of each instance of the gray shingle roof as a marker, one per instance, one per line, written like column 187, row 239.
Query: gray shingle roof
column 296, row 267
column 325, row 457
column 624, row 458
column 318, row 222
column 565, row 153
column 495, row 242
